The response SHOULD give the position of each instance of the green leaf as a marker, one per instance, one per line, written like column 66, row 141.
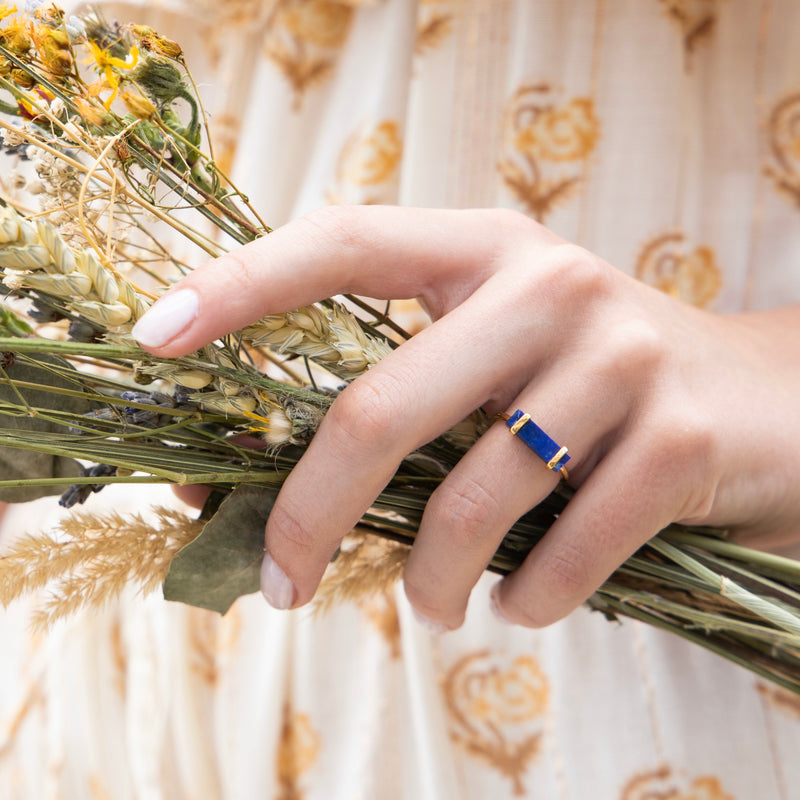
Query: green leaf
column 19, row 464
column 224, row 561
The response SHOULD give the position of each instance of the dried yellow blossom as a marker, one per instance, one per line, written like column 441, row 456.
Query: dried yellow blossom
column 54, row 49
column 138, row 105
column 155, row 42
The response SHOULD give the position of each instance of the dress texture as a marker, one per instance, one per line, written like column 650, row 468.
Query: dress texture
column 663, row 135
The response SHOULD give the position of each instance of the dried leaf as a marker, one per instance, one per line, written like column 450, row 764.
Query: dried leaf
column 224, row 562
column 18, row 464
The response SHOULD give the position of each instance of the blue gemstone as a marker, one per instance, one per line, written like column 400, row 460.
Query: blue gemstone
column 537, row 440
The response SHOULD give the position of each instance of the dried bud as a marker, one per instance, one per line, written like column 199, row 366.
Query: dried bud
column 160, row 79
column 14, row 37
column 54, row 49
column 151, row 40
column 138, row 105
column 21, row 78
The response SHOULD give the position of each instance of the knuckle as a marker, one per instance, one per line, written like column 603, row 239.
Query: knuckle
column 340, row 226
column 633, row 349
column 564, row 575
column 466, row 510
column 567, row 275
column 512, row 225
column 520, row 613
column 238, row 272
column 575, row 274
column 368, row 411
column 294, row 534
column 677, row 440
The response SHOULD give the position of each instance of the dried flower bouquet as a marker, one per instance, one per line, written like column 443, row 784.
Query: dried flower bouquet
column 103, row 133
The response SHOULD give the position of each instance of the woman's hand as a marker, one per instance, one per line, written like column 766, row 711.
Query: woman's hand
column 669, row 413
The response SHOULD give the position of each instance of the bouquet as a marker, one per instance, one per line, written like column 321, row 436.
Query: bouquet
column 109, row 164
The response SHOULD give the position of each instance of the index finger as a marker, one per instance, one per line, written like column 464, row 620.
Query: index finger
column 379, row 251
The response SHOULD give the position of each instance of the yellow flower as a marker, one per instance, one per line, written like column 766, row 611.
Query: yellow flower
column 108, row 66
column 324, row 23
column 371, row 156
column 565, row 133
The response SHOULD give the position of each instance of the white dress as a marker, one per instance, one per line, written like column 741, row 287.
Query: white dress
column 660, row 134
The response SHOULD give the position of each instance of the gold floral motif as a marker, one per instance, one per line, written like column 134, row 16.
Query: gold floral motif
column 495, row 706
column 783, row 140
column 693, row 277
column 297, row 751
column 540, row 133
column 660, row 784
column 368, row 165
column 780, row 699
column 371, row 156
column 564, row 133
column 695, row 19
column 303, row 38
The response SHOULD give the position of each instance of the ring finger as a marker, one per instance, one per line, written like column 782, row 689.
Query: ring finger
column 493, row 485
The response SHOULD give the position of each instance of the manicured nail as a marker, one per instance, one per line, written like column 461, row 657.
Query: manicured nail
column 167, row 318
column 275, row 585
column 494, row 604
column 429, row 624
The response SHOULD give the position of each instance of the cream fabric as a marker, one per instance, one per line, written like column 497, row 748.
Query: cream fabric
column 660, row 134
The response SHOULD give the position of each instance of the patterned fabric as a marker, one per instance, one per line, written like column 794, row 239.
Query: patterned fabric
column 661, row 134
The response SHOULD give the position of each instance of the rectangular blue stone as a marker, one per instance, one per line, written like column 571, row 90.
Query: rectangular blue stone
column 537, row 440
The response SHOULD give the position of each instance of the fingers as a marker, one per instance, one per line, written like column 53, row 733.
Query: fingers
column 415, row 393
column 629, row 497
column 194, row 495
column 498, row 480
column 378, row 251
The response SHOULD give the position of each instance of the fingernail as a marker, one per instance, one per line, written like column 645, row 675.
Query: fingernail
column 494, row 604
column 429, row 624
column 167, row 318
column 275, row 585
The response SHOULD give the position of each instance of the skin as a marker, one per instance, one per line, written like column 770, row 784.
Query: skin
column 670, row 413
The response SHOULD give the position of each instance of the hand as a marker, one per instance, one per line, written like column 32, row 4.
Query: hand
column 669, row 413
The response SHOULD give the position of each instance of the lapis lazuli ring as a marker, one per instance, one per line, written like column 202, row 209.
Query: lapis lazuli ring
column 554, row 456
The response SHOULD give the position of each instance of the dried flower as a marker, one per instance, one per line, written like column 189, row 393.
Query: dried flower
column 138, row 105
column 109, row 65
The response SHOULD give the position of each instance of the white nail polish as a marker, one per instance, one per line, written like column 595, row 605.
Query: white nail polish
column 495, row 605
column 167, row 318
column 429, row 624
column 275, row 585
